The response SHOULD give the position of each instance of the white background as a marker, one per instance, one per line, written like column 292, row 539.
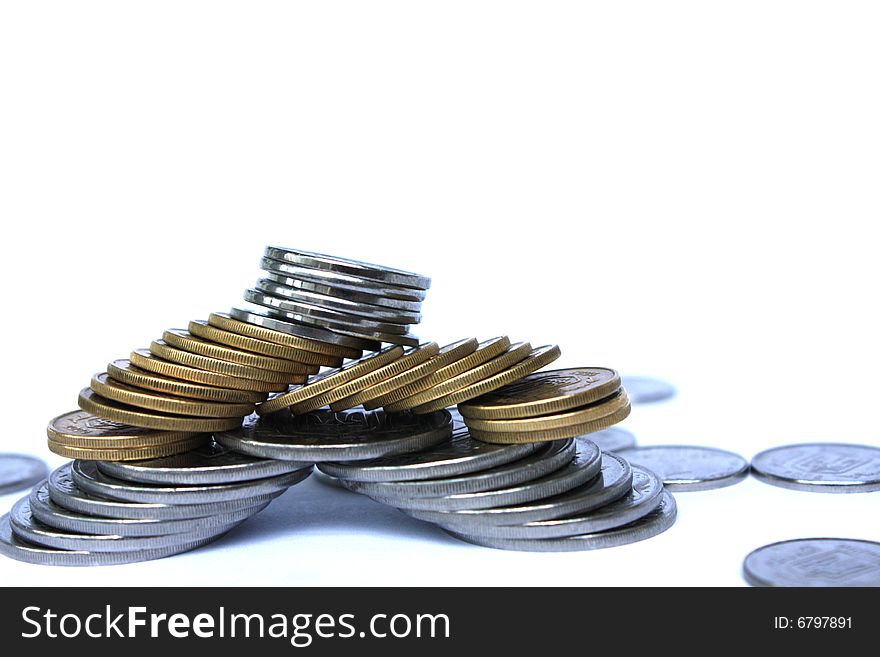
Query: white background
column 686, row 190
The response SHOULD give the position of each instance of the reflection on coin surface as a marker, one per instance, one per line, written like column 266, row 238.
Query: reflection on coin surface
column 19, row 471
column 814, row 562
column 820, row 467
column 644, row 390
column 689, row 467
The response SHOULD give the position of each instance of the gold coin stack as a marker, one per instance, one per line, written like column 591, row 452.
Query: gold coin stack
column 550, row 405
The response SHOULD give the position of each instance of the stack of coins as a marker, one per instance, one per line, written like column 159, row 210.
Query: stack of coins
column 101, row 513
column 561, row 495
column 326, row 298
column 551, row 405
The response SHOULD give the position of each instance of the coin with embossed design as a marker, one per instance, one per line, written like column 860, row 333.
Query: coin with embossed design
column 820, row 467
column 814, row 562
column 690, row 467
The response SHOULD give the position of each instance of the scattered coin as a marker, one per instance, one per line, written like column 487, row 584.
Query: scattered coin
column 614, row 439
column 689, row 467
column 20, row 471
column 644, row 390
column 813, row 562
column 820, row 467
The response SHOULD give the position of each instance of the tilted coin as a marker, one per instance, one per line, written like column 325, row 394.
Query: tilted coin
column 820, row 467
column 265, row 320
column 20, row 471
column 559, row 433
column 207, row 332
column 689, row 467
column 403, row 339
column 143, row 359
column 613, row 439
column 348, row 267
column 814, row 562
column 538, row 358
column 97, row 405
column 160, row 349
column 282, row 335
column 644, row 390
column 645, row 497
column 553, row 391
column 184, row 340
column 210, row 464
column 109, row 388
column 87, row 477
column 81, row 429
column 656, row 522
column 330, row 379
column 128, row 453
column 378, row 295
column 123, row 371
column 345, row 436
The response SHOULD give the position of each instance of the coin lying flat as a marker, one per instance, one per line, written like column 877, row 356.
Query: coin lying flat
column 644, row 390
column 313, row 333
column 143, row 359
column 656, row 522
column 186, row 341
column 688, row 467
column 124, row 372
column 127, row 453
column 559, row 433
column 613, row 439
column 20, row 471
column 820, row 467
column 553, row 391
column 814, row 562
column 344, row 436
column 210, row 464
column 81, row 429
column 383, row 297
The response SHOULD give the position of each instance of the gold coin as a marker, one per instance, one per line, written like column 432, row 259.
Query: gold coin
column 544, row 393
column 581, row 415
column 184, row 340
column 227, row 323
column 572, row 431
column 512, row 356
column 410, row 358
column 81, row 429
column 127, row 454
column 161, row 350
column 205, row 331
column 97, row 405
column 103, row 385
column 330, row 379
column 143, row 359
column 485, row 351
column 123, row 371
column 539, row 358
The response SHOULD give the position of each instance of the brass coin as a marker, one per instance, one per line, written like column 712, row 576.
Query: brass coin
column 544, row 393
column 184, row 340
column 123, row 371
column 409, row 359
column 161, row 350
column 97, row 405
column 143, row 359
column 81, row 429
column 226, row 323
column 512, row 356
column 539, row 358
column 485, row 351
column 330, row 379
column 205, row 331
column 103, row 385
column 127, row 454
column 516, row 437
column 590, row 413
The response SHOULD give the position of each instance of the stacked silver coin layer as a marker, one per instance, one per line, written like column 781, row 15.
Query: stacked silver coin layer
column 90, row 513
column 328, row 298
column 557, row 496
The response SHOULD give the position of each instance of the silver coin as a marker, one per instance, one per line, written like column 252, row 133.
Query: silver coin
column 820, row 467
column 342, row 284
column 459, row 456
column 379, row 313
column 332, row 320
column 325, row 435
column 613, row 439
column 333, row 290
column 815, row 562
column 57, row 517
column 405, row 340
column 645, row 496
column 656, row 522
column 614, row 481
column 20, row 471
column 549, row 458
column 348, row 267
column 27, row 528
column 644, row 390
column 210, row 464
column 302, row 330
column 689, row 467
column 582, row 468
column 328, row 480
column 20, row 550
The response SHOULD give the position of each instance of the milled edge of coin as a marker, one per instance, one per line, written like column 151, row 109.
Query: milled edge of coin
column 161, row 349
column 127, row 454
column 506, row 438
column 226, row 322
column 143, row 359
column 139, row 437
column 337, row 290
column 267, row 320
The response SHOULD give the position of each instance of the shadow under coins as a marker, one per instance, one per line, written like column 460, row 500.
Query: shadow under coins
column 312, row 507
